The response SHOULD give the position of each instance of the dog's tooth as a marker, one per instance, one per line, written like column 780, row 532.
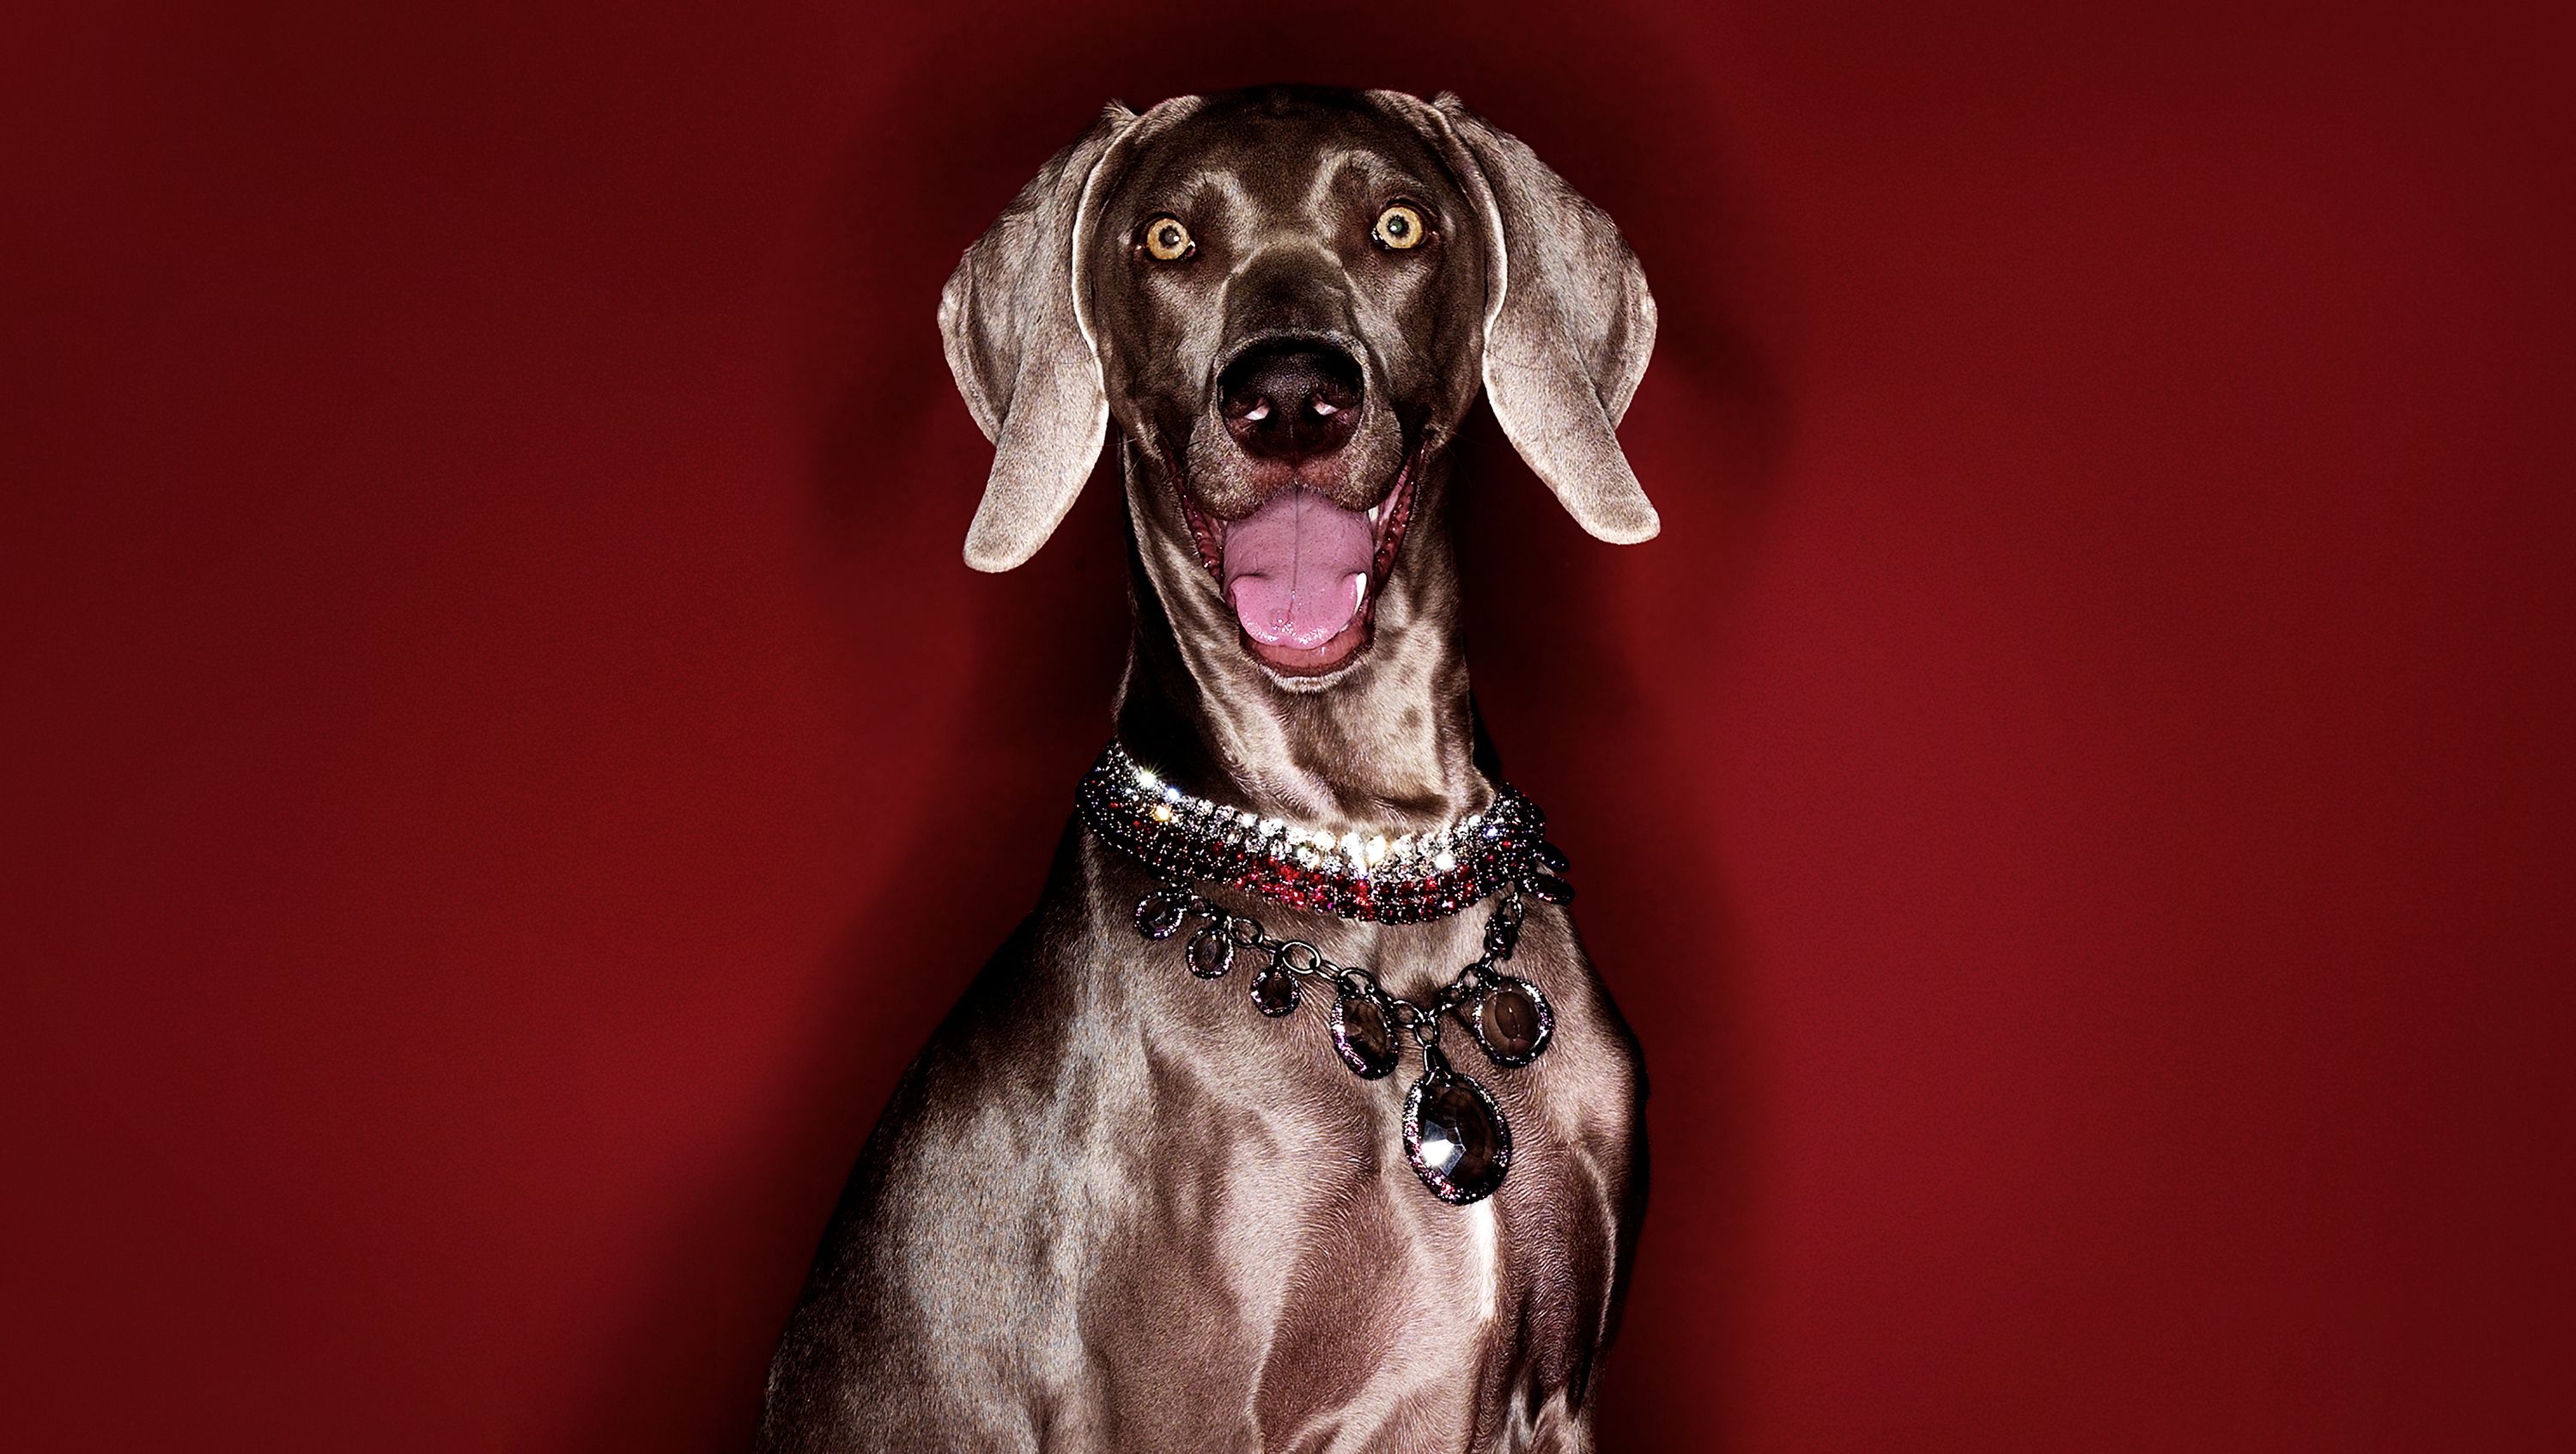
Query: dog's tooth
column 1373, row 512
column 1359, row 592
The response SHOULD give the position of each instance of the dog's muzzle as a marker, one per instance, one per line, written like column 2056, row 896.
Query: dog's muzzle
column 1301, row 571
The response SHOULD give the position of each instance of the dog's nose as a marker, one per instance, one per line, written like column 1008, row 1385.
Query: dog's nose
column 1292, row 399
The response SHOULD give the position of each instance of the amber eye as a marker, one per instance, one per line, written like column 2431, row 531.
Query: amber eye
column 1168, row 240
column 1399, row 227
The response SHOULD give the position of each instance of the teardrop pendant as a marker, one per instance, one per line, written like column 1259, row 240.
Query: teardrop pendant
column 1275, row 991
column 1511, row 1021
column 1210, row 953
column 1454, row 1135
column 1364, row 1034
column 1159, row 914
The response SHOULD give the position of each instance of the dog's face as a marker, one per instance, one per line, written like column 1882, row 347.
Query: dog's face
column 1287, row 295
column 1288, row 299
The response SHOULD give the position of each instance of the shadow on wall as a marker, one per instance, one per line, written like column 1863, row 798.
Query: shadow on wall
column 1563, row 680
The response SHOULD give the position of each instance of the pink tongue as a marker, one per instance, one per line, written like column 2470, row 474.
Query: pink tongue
column 1294, row 568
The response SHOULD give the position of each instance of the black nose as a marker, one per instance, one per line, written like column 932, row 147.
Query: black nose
column 1291, row 399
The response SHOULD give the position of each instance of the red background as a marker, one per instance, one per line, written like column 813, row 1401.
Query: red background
column 504, row 765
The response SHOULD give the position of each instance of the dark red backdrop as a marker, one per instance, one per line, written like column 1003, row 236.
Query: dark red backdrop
column 503, row 764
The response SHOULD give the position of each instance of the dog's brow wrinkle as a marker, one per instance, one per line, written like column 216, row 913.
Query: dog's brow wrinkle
column 1328, row 173
column 1237, row 198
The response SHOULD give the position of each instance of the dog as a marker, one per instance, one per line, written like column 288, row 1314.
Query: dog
column 1110, row 1207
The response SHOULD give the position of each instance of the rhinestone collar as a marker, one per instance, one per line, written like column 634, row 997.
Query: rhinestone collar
column 1349, row 871
column 1455, row 1135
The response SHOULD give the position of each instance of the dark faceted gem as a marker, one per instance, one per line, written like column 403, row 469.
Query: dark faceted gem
column 1553, row 889
column 1211, row 954
column 1364, row 1035
column 1511, row 1018
column 1513, row 1022
column 1552, row 858
column 1158, row 916
column 1455, row 1138
column 1275, row 992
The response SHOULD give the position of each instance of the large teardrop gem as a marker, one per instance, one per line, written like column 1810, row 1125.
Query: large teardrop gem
column 1364, row 1034
column 1512, row 1021
column 1454, row 1135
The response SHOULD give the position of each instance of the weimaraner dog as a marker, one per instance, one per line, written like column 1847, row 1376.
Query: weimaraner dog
column 1129, row 1198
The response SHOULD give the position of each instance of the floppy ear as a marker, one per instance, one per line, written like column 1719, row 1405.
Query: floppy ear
column 1568, row 325
column 1024, row 357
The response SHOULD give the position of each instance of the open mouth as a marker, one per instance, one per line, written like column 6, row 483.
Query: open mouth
column 1303, row 573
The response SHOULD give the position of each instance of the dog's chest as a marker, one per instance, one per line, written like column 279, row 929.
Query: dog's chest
column 1348, row 1297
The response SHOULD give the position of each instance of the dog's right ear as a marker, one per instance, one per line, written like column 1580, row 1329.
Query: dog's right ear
column 1024, row 357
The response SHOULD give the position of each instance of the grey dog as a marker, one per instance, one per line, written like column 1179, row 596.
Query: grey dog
column 1108, row 1208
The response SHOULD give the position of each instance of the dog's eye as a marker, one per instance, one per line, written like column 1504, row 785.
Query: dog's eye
column 1167, row 240
column 1399, row 227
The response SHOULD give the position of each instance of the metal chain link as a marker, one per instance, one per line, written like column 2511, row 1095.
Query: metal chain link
column 1303, row 960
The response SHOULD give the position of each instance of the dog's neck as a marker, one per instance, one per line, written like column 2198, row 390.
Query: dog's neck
column 1393, row 741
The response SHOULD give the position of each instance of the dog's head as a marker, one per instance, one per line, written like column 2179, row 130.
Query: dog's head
column 1289, row 299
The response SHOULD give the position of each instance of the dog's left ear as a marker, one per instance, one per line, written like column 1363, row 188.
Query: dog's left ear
column 1568, row 320
column 1023, row 355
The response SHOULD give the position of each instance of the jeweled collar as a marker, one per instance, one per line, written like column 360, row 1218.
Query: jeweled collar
column 1352, row 871
column 1455, row 1136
